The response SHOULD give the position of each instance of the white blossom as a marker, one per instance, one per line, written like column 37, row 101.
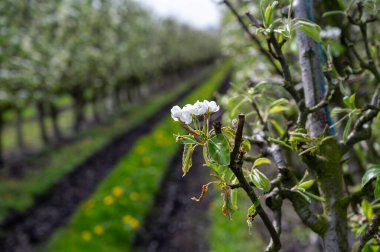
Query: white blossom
column 331, row 32
column 199, row 108
column 176, row 112
column 186, row 117
column 189, row 111
column 212, row 106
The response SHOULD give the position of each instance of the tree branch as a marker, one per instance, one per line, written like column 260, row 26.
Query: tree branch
column 372, row 230
column 254, row 38
column 317, row 223
column 236, row 163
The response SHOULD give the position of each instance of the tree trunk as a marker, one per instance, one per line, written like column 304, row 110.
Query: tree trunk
column 1, row 140
column 78, row 112
column 19, row 132
column 329, row 170
column 41, row 113
column 54, row 113
column 95, row 114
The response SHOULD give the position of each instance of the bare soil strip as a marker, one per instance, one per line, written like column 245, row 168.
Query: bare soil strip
column 176, row 223
column 52, row 210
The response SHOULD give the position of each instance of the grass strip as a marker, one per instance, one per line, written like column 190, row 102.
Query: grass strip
column 109, row 219
column 19, row 194
column 233, row 235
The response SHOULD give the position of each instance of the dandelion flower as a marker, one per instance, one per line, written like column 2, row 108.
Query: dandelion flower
column 86, row 236
column 99, row 230
column 117, row 191
column 108, row 200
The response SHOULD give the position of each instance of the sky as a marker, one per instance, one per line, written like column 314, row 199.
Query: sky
column 198, row 13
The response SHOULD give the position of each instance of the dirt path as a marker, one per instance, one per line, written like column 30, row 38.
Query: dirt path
column 21, row 233
column 176, row 223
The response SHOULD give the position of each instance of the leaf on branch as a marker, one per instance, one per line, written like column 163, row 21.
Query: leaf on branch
column 306, row 185
column 347, row 129
column 377, row 189
column 185, row 139
column 227, row 208
column 278, row 128
column 331, row 13
column 261, row 161
column 187, row 156
column 260, row 180
column 219, row 150
column 251, row 214
column 367, row 209
column 371, row 173
column 311, row 29
column 350, row 101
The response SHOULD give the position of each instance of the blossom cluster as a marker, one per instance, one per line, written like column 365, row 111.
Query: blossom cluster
column 189, row 111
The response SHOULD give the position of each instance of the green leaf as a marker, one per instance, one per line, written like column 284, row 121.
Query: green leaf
column 215, row 167
column 260, row 180
column 263, row 6
column 370, row 248
column 186, row 139
column 377, row 188
column 268, row 15
column 367, row 209
column 278, row 102
column 350, row 101
column 313, row 196
column 372, row 172
column 331, row 13
column 277, row 109
column 234, row 199
column 252, row 209
column 219, row 149
column 278, row 128
column 261, row 161
column 187, row 158
column 347, row 129
column 305, row 196
column 306, row 185
column 309, row 28
column 305, row 176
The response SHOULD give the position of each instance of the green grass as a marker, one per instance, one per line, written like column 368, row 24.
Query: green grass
column 19, row 194
column 109, row 219
column 233, row 235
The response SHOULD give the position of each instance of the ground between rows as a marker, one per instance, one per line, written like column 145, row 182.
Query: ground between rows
column 52, row 210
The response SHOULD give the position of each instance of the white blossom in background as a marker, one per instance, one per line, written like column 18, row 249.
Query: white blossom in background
column 189, row 111
column 331, row 32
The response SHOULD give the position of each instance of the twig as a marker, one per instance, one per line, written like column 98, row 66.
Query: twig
column 236, row 163
column 372, row 230
column 254, row 38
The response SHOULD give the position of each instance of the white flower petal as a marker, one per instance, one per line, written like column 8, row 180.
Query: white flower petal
column 176, row 112
column 212, row 106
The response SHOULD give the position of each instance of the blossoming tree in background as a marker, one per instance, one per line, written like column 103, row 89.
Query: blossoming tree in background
column 327, row 164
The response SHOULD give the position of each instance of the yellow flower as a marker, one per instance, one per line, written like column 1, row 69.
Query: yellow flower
column 134, row 196
column 147, row 161
column 99, row 230
column 108, row 200
column 131, row 221
column 160, row 135
column 140, row 149
column 86, row 236
column 117, row 191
